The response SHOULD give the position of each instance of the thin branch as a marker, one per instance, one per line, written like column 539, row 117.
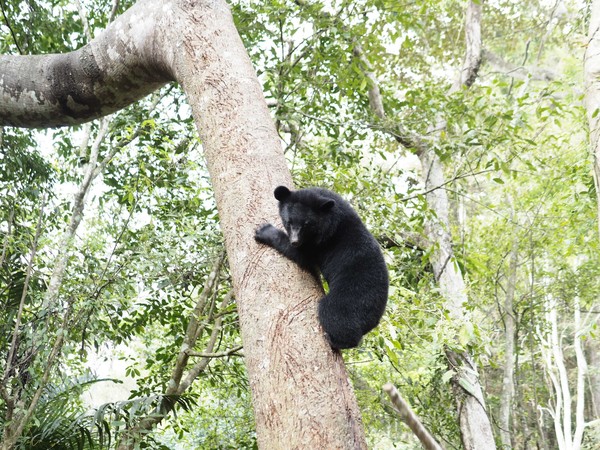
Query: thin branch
column 42, row 383
column 445, row 183
column 411, row 419
column 521, row 72
column 133, row 434
column 191, row 333
column 113, row 12
column 12, row 32
column 11, row 217
column 201, row 365
column 231, row 351
column 84, row 20
column 13, row 345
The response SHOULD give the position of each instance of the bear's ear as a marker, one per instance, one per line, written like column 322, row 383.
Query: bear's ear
column 282, row 193
column 327, row 204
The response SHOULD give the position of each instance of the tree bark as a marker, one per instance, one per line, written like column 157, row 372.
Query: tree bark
column 593, row 357
column 301, row 393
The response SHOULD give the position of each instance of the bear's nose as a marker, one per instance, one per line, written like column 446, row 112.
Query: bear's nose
column 294, row 237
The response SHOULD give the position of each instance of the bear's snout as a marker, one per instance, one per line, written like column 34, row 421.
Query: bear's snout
column 294, row 237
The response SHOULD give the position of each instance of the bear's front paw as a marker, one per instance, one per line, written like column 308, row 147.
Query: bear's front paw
column 266, row 234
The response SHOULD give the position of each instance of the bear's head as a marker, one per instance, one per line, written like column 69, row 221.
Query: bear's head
column 308, row 217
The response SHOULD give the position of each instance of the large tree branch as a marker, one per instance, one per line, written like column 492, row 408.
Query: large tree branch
column 118, row 67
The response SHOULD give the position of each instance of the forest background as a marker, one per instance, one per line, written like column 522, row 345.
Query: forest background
column 117, row 220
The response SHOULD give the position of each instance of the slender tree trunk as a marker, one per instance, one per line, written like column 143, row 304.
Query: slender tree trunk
column 301, row 393
column 508, row 387
column 26, row 405
column 591, row 64
column 593, row 352
column 569, row 435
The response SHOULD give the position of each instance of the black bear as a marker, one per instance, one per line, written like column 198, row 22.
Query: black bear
column 324, row 233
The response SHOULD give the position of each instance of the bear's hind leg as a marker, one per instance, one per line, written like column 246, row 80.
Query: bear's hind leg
column 341, row 329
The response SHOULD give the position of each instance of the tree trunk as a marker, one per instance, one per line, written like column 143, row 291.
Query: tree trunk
column 567, row 436
column 591, row 64
column 508, row 386
column 591, row 69
column 475, row 426
column 301, row 393
column 593, row 357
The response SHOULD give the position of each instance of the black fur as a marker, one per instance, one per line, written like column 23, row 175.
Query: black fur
column 324, row 233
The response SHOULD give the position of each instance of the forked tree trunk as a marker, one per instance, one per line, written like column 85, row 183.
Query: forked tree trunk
column 301, row 393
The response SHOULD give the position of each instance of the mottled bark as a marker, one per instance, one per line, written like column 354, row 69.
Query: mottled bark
column 301, row 393
column 120, row 66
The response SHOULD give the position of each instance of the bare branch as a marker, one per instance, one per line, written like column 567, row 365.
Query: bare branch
column 521, row 72
column 192, row 329
column 113, row 11
column 11, row 217
column 201, row 365
column 411, row 419
column 83, row 16
column 13, row 345
column 229, row 352
column 7, row 23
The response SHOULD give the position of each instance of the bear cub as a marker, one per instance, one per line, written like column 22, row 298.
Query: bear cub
column 323, row 233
